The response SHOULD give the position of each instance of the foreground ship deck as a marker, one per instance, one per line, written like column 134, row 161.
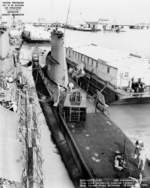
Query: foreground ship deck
column 98, row 138
column 98, row 141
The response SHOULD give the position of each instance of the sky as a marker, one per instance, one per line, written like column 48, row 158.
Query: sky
column 84, row 10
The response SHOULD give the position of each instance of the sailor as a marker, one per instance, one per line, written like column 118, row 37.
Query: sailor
column 138, row 144
column 140, row 85
column 71, row 86
column 119, row 162
column 142, row 158
column 140, row 155
column 100, row 101
column 133, row 85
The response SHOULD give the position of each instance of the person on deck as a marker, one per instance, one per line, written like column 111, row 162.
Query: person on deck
column 71, row 86
column 140, row 156
column 100, row 101
column 119, row 162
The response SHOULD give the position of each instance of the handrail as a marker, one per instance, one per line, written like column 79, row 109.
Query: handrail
column 138, row 94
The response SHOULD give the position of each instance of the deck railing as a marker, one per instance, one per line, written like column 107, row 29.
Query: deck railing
column 145, row 93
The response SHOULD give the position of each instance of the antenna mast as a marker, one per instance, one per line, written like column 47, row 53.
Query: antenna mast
column 68, row 12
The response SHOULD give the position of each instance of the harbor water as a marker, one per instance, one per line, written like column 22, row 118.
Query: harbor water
column 132, row 41
column 134, row 120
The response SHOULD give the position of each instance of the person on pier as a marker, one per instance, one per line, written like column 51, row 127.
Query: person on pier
column 134, row 85
column 137, row 87
column 140, row 86
column 140, row 157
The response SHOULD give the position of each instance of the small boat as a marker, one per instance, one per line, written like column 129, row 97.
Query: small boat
column 131, row 97
column 35, row 34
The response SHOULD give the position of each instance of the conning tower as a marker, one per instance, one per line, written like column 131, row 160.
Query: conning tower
column 57, row 66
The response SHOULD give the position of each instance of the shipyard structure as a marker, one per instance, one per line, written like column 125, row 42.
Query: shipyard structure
column 54, row 97
column 110, row 71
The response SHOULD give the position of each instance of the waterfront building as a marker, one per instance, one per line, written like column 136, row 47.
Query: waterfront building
column 113, row 66
column 93, row 25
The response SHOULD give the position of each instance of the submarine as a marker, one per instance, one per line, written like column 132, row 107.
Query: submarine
column 86, row 137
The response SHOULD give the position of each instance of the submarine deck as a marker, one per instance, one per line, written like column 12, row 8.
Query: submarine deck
column 98, row 138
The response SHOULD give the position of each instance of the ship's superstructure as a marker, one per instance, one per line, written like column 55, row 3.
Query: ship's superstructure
column 57, row 67
column 74, row 107
column 35, row 34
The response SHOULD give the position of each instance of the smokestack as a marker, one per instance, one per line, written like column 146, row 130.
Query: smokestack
column 57, row 67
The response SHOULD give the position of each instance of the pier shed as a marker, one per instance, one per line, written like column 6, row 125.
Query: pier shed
column 93, row 25
column 114, row 66
column 92, row 63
